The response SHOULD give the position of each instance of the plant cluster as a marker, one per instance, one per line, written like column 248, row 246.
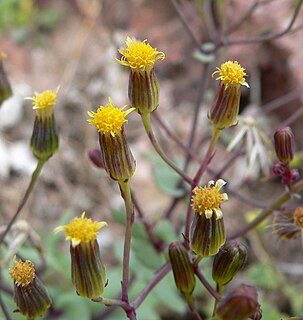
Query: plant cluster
column 202, row 235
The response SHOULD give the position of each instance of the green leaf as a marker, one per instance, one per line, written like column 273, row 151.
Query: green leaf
column 269, row 312
column 139, row 231
column 263, row 276
column 119, row 216
column 167, row 294
column 167, row 179
column 165, row 231
column 202, row 57
column 146, row 254
column 74, row 307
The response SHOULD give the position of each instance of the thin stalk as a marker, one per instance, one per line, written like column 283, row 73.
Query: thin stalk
column 187, row 222
column 29, row 190
column 148, row 128
column 298, row 187
column 192, row 308
column 262, row 38
column 208, row 156
column 219, row 290
column 126, row 195
column 2, row 304
column 197, row 261
column 112, row 302
column 206, row 284
column 4, row 309
column 154, row 281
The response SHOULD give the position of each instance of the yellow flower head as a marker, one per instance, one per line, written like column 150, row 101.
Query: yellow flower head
column 108, row 119
column 208, row 199
column 81, row 230
column 232, row 74
column 22, row 272
column 44, row 100
column 140, row 56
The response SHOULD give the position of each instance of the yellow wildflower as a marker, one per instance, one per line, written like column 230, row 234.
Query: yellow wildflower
column 232, row 74
column 208, row 199
column 108, row 119
column 139, row 56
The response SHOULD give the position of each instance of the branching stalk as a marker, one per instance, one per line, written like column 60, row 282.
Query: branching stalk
column 29, row 190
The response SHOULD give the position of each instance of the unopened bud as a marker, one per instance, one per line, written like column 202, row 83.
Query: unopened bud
column 182, row 268
column 96, row 158
column 284, row 144
column 239, row 304
column 230, row 259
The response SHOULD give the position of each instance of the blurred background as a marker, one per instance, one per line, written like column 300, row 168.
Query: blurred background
column 73, row 44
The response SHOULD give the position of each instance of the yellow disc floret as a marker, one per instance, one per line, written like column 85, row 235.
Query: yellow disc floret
column 139, row 55
column 81, row 230
column 46, row 99
column 232, row 74
column 208, row 199
column 108, row 119
column 22, row 272
column 298, row 217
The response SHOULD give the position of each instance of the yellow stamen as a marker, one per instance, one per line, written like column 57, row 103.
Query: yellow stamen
column 108, row 119
column 208, row 199
column 232, row 74
column 81, row 230
column 140, row 56
column 44, row 100
column 22, row 272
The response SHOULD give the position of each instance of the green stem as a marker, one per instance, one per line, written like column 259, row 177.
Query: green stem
column 29, row 190
column 126, row 195
column 219, row 290
column 191, row 305
column 208, row 156
column 148, row 128
column 298, row 187
column 112, row 302
column 197, row 261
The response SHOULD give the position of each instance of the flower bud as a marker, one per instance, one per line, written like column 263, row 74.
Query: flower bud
column 239, row 304
column 88, row 272
column 116, row 156
column 44, row 141
column 284, row 144
column 182, row 268
column 30, row 295
column 5, row 87
column 225, row 109
column 207, row 235
column 95, row 157
column 230, row 259
column 143, row 90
